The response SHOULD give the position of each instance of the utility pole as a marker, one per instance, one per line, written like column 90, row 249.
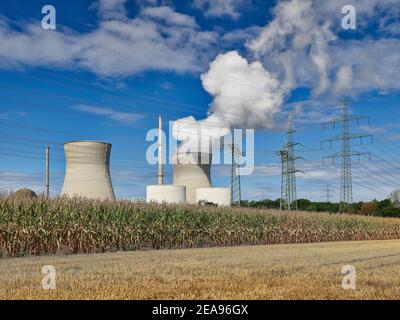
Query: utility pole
column 47, row 192
column 346, row 183
column 288, row 173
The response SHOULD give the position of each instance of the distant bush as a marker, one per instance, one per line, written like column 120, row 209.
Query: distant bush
column 369, row 208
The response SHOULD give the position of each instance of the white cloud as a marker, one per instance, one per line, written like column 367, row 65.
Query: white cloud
column 374, row 64
column 307, row 113
column 318, row 172
column 10, row 114
column 296, row 34
column 220, row 8
column 268, row 170
column 169, row 16
column 393, row 137
column 367, row 11
column 392, row 28
column 312, row 171
column 118, row 46
column 300, row 45
column 344, row 79
column 111, row 9
column 241, row 36
column 117, row 116
column 167, row 85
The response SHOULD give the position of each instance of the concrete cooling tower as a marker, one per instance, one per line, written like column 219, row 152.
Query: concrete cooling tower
column 192, row 170
column 87, row 171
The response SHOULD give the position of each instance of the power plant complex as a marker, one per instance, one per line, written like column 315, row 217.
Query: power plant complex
column 87, row 171
column 191, row 180
column 87, row 175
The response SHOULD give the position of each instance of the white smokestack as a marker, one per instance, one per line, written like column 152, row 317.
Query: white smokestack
column 160, row 152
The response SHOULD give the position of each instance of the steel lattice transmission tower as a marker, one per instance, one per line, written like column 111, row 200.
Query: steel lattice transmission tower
column 288, row 173
column 328, row 193
column 236, row 192
column 346, row 182
column 236, row 156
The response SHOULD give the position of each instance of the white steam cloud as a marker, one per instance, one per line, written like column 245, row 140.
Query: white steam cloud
column 245, row 95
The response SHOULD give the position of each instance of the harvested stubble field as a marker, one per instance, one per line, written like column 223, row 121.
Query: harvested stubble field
column 289, row 271
column 38, row 227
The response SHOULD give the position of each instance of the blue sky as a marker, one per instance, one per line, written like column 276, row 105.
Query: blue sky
column 112, row 66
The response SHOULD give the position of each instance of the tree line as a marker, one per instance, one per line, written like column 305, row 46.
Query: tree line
column 383, row 208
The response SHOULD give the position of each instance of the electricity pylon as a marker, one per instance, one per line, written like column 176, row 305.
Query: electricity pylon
column 328, row 193
column 236, row 192
column 288, row 173
column 236, row 154
column 346, row 182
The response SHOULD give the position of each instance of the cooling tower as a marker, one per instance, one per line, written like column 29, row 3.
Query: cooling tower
column 87, row 171
column 166, row 193
column 218, row 196
column 192, row 170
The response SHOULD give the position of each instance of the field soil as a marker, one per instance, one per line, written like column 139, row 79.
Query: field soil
column 283, row 271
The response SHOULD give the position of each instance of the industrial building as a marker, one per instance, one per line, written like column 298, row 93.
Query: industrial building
column 191, row 179
column 161, row 192
column 87, row 171
column 217, row 196
column 87, row 175
column 166, row 193
column 192, row 170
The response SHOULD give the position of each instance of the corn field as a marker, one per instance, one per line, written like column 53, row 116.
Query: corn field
column 39, row 226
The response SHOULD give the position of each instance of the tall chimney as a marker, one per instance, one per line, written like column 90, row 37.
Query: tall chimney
column 47, row 191
column 160, row 152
